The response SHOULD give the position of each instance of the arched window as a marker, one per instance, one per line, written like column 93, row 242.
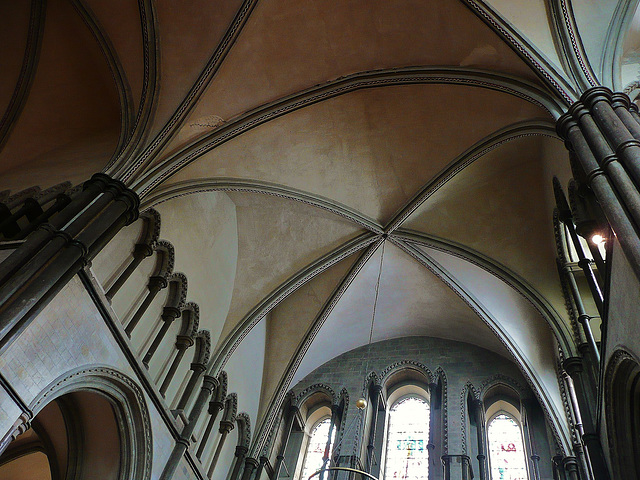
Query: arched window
column 313, row 458
column 507, row 457
column 407, row 455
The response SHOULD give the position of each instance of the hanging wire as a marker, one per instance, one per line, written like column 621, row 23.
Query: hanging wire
column 373, row 315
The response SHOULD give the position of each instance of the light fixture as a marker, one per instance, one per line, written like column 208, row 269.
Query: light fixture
column 597, row 239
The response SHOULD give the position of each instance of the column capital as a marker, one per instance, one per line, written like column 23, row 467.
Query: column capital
column 251, row 462
column 595, row 95
column 241, row 451
column 225, row 426
column 209, row 382
column 573, row 365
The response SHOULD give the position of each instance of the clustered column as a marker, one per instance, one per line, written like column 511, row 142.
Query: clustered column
column 603, row 136
column 57, row 250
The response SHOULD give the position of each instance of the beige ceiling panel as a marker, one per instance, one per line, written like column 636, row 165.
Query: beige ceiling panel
column 121, row 23
column 290, row 320
column 276, row 239
column 287, row 46
column 203, row 229
column 189, row 33
column 72, row 109
column 14, row 25
column 372, row 149
column 531, row 19
column 411, row 301
column 502, row 206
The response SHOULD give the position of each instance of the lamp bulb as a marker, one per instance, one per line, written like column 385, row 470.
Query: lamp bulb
column 361, row 404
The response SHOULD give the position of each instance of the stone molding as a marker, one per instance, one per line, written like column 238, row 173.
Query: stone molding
column 129, row 407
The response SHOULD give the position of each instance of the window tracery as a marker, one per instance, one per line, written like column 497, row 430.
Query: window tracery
column 407, row 454
column 315, row 452
column 506, row 449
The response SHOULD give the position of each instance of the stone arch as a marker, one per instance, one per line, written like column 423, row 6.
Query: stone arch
column 622, row 394
column 396, row 367
column 315, row 388
column 244, row 430
column 126, row 401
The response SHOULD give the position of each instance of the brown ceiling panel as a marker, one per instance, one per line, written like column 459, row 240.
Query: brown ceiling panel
column 14, row 27
column 502, row 206
column 121, row 22
column 189, row 33
column 372, row 149
column 289, row 45
column 73, row 101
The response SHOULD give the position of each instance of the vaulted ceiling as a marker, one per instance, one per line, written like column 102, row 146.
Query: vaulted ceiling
column 321, row 165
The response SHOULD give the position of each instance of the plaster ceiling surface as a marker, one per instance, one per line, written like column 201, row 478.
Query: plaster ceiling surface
column 287, row 46
column 188, row 35
column 277, row 238
column 206, row 251
column 592, row 19
column 502, row 205
column 532, row 21
column 526, row 332
column 411, row 301
column 630, row 60
column 122, row 26
column 285, row 337
column 14, row 25
column 371, row 150
column 72, row 102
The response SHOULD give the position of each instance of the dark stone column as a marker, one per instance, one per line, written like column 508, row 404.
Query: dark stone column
column 19, row 427
column 570, row 465
column 578, row 389
column 591, row 128
column 376, row 390
column 241, row 453
column 200, row 360
column 140, row 252
column 558, row 468
column 182, row 344
column 225, row 428
column 250, row 466
column 214, row 408
column 156, row 283
column 169, row 314
column 142, row 249
column 263, row 462
column 34, row 273
column 290, row 417
column 209, row 384
column 530, row 444
column 478, row 408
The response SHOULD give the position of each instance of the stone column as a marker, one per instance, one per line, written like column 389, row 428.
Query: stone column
column 570, row 465
column 250, row 466
column 215, row 406
column 209, row 384
column 585, row 414
column 19, row 427
column 288, row 426
column 34, row 273
column 326, row 459
column 478, row 410
column 263, row 462
column 171, row 310
column 156, row 283
column 240, row 454
column 530, row 445
column 142, row 250
column 199, row 365
column 376, row 390
column 184, row 340
column 601, row 132
column 225, row 428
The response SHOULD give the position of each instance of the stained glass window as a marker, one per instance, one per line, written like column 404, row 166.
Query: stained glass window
column 408, row 435
column 506, row 451
column 316, row 446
